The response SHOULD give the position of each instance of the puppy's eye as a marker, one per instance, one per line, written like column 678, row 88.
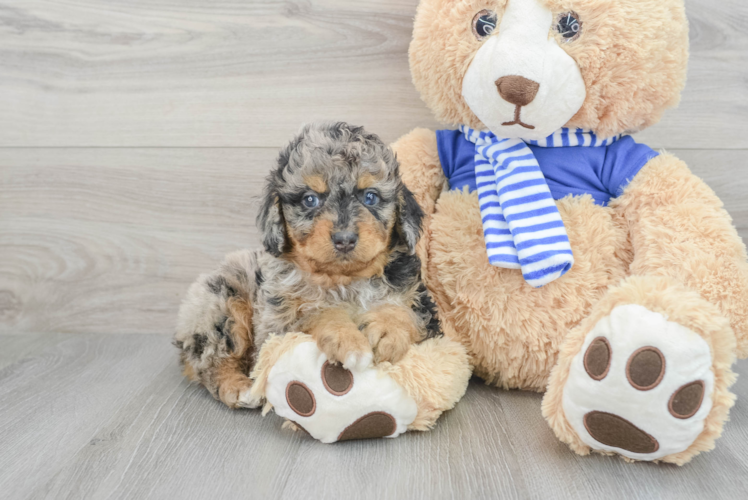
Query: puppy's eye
column 371, row 198
column 310, row 201
column 484, row 23
column 569, row 26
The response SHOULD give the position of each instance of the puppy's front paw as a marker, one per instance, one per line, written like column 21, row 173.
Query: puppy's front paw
column 235, row 393
column 390, row 344
column 345, row 345
column 390, row 331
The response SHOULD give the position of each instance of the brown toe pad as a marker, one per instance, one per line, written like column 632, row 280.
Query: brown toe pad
column 337, row 380
column 686, row 401
column 612, row 430
column 376, row 424
column 300, row 399
column 597, row 358
column 645, row 368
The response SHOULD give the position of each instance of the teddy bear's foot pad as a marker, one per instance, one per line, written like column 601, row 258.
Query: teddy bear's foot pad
column 641, row 385
column 618, row 432
column 376, row 424
column 332, row 403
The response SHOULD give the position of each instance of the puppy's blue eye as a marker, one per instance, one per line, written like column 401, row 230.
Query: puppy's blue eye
column 310, row 201
column 371, row 199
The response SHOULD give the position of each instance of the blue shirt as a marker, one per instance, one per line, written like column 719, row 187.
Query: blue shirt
column 602, row 172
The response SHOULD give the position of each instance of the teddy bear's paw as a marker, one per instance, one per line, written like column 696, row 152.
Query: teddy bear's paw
column 641, row 386
column 332, row 403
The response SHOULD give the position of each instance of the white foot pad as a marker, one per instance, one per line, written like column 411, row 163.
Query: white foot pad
column 641, row 386
column 335, row 404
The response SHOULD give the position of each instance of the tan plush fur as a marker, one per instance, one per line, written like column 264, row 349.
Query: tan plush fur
column 666, row 243
column 513, row 331
column 680, row 229
column 435, row 374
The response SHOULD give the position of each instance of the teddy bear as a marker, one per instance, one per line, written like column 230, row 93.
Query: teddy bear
column 566, row 257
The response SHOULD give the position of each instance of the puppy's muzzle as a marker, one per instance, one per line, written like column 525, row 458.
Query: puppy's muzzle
column 344, row 241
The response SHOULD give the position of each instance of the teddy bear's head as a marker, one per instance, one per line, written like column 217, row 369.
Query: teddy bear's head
column 525, row 68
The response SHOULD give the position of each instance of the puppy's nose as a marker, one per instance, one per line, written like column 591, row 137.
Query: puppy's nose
column 517, row 90
column 344, row 241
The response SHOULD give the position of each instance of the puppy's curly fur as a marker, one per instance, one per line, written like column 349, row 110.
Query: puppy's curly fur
column 339, row 235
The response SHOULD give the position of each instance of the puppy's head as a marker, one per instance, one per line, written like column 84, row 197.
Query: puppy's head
column 335, row 204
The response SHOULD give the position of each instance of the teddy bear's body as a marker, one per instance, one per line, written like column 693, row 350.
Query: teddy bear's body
column 633, row 345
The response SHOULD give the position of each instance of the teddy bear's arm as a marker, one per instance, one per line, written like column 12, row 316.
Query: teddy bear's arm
column 680, row 229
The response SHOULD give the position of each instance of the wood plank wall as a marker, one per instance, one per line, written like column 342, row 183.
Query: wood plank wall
column 134, row 136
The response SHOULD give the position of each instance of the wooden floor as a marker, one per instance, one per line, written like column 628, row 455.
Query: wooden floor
column 134, row 139
column 109, row 416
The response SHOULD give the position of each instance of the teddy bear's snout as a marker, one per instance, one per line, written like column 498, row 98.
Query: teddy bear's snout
column 517, row 90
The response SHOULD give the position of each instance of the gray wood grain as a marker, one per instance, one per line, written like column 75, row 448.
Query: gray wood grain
column 227, row 73
column 108, row 240
column 102, row 240
column 109, row 416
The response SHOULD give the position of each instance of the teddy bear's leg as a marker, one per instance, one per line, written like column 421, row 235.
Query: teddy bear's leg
column 422, row 173
column 646, row 375
column 214, row 331
column 332, row 403
column 680, row 229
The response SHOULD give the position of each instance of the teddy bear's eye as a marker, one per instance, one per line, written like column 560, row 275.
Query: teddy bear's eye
column 484, row 23
column 569, row 26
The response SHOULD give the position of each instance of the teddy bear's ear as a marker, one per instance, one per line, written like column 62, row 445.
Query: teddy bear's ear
column 409, row 217
column 272, row 224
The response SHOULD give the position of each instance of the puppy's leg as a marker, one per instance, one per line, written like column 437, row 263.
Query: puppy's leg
column 391, row 330
column 339, row 338
column 214, row 330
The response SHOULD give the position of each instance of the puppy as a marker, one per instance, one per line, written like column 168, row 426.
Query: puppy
column 339, row 234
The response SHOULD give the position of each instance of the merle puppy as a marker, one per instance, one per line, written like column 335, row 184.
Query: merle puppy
column 339, row 230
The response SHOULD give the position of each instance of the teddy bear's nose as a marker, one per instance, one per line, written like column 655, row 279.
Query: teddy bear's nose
column 517, row 90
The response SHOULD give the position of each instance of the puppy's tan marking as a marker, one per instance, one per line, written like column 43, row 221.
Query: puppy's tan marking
column 316, row 182
column 317, row 245
column 316, row 255
column 231, row 380
column 373, row 237
column 390, row 330
column 189, row 372
column 230, row 375
column 366, row 180
column 336, row 334
column 241, row 312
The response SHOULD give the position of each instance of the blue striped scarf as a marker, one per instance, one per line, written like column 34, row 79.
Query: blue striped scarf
column 521, row 224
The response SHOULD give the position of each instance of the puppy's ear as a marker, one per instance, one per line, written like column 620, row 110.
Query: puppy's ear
column 409, row 217
column 271, row 223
